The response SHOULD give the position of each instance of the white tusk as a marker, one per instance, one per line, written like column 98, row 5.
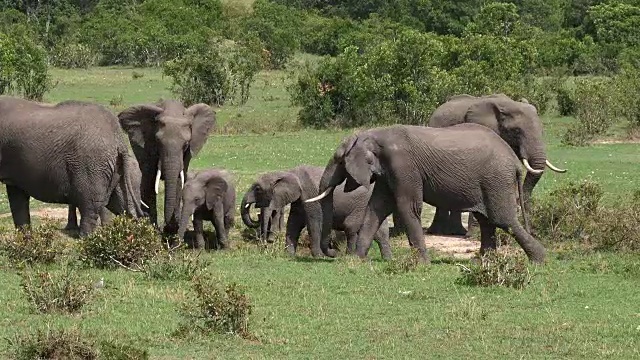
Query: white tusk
column 182, row 179
column 320, row 197
column 145, row 205
column 246, row 206
column 550, row 166
column 157, row 186
column 530, row 169
column 191, row 217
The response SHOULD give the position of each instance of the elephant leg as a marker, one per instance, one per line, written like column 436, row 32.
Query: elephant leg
column 472, row 225
column 295, row 224
column 487, row 233
column 446, row 223
column 198, row 229
column 454, row 224
column 399, row 227
column 532, row 247
column 89, row 214
column 382, row 238
column 380, row 206
column 410, row 209
column 72, row 219
column 19, row 204
column 148, row 195
column 218, row 224
column 105, row 216
column 352, row 238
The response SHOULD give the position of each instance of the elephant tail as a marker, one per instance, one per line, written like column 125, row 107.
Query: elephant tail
column 521, row 197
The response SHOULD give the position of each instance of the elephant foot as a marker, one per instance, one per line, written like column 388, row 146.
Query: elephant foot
column 439, row 229
column 71, row 227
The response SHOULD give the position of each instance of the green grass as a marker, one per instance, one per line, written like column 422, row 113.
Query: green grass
column 578, row 306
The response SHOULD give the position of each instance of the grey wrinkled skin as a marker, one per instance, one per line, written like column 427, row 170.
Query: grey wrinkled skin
column 69, row 153
column 135, row 177
column 272, row 191
column 517, row 122
column 165, row 136
column 464, row 167
column 209, row 195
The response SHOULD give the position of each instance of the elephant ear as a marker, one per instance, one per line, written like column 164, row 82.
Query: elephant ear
column 286, row 190
column 361, row 164
column 485, row 112
column 138, row 122
column 204, row 120
column 214, row 190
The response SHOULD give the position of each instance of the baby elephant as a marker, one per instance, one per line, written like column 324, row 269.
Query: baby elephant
column 208, row 195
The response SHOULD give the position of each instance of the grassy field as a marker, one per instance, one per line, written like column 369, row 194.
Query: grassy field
column 578, row 305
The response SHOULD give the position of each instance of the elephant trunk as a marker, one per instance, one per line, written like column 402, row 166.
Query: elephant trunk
column 187, row 211
column 245, row 207
column 333, row 175
column 534, row 152
column 265, row 215
column 172, row 194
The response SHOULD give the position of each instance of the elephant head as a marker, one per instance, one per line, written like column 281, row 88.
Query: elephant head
column 201, row 191
column 271, row 192
column 164, row 138
column 519, row 125
column 356, row 161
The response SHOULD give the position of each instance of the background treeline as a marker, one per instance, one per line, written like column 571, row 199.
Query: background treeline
column 384, row 61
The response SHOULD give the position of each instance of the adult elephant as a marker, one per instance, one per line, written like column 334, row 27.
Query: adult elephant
column 69, row 153
column 464, row 167
column 164, row 137
column 517, row 123
column 133, row 170
column 273, row 191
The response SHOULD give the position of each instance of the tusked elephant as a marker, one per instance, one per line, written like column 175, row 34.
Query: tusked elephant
column 209, row 195
column 164, row 137
column 465, row 167
column 69, row 153
column 517, row 122
column 272, row 191
column 133, row 170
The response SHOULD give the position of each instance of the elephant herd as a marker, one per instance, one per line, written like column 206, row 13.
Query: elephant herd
column 467, row 160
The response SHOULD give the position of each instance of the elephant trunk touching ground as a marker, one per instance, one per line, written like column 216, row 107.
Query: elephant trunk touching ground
column 187, row 212
column 332, row 177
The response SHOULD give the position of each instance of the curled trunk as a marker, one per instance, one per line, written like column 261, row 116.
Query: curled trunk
column 245, row 214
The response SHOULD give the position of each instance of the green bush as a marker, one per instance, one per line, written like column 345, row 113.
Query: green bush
column 70, row 344
column 596, row 109
column 72, row 56
column 61, row 291
column 215, row 74
column 404, row 263
column 497, row 269
column 324, row 36
column 171, row 267
column 627, row 95
column 23, row 67
column 39, row 244
column 216, row 308
column 124, row 242
column 566, row 101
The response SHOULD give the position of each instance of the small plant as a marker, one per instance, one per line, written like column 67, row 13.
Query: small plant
column 53, row 344
column 618, row 228
column 136, row 75
column 173, row 267
column 217, row 308
column 70, row 344
column 32, row 245
column 116, row 100
column 404, row 263
column 124, row 242
column 497, row 269
column 56, row 291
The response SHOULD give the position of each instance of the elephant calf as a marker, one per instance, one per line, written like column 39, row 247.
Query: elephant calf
column 273, row 191
column 209, row 195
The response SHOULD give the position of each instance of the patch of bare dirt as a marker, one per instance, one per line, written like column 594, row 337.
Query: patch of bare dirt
column 56, row 213
column 458, row 247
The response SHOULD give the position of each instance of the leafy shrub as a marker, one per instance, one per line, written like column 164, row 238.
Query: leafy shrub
column 125, row 241
column 220, row 72
column 566, row 101
column 404, row 263
column 618, row 228
column 72, row 56
column 23, row 67
column 51, row 292
column 70, row 344
column 595, row 110
column 627, row 95
column 324, row 36
column 568, row 212
column 53, row 344
column 497, row 269
column 32, row 245
column 219, row 309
